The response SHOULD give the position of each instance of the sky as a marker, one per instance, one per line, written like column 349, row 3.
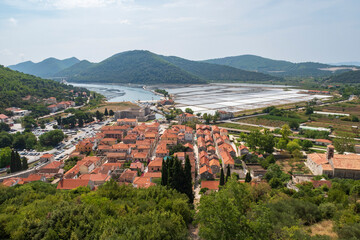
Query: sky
column 295, row 30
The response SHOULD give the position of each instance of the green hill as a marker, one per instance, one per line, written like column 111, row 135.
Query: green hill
column 14, row 86
column 347, row 77
column 276, row 67
column 216, row 72
column 45, row 68
column 136, row 67
column 144, row 67
column 75, row 69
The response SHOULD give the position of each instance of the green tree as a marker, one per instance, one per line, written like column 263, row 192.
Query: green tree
column 253, row 139
column 285, row 132
column 222, row 177
column 24, row 164
column 294, row 124
column 188, row 179
column 106, row 112
column 164, row 173
column 5, row 157
column 4, row 127
column 98, row 115
column 111, row 112
column 248, row 177
column 189, row 110
column 292, row 146
column 228, row 173
column 344, row 144
column 51, row 138
column 281, row 144
column 81, row 122
column 306, row 145
column 267, row 142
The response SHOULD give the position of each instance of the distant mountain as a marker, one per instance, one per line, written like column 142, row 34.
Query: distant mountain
column 136, row 67
column 144, row 67
column 347, row 77
column 45, row 68
column 216, row 72
column 278, row 67
column 75, row 69
column 346, row 64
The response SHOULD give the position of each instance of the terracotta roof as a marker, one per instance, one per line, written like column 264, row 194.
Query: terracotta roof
column 47, row 156
column 205, row 169
column 153, row 174
column 155, row 163
column 143, row 182
column 214, row 162
column 95, row 177
column 318, row 158
column 3, row 116
column 136, row 165
column 324, row 141
column 72, row 183
column 52, row 165
column 211, row 185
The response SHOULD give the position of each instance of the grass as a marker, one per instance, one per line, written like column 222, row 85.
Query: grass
column 283, row 119
column 323, row 228
column 237, row 126
column 115, row 106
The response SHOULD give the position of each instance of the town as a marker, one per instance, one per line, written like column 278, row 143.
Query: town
column 130, row 148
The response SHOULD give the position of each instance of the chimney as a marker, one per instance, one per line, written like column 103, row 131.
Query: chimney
column 329, row 152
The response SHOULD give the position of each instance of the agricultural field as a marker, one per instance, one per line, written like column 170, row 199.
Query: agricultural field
column 115, row 106
column 237, row 126
column 296, row 166
column 339, row 124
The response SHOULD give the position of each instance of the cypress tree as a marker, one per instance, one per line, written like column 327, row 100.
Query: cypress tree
column 18, row 162
column 188, row 179
column 106, row 112
column 24, row 163
column 248, row 177
column 12, row 162
column 164, row 173
column 228, row 173
column 222, row 177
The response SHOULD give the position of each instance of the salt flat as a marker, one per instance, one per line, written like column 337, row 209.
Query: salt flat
column 236, row 97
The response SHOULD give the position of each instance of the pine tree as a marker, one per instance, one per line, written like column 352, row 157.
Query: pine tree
column 164, row 173
column 188, row 179
column 24, row 163
column 222, row 177
column 228, row 174
column 106, row 112
column 12, row 162
column 248, row 177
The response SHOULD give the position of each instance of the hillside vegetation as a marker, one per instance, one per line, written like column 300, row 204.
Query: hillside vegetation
column 14, row 86
column 45, row 68
column 39, row 211
column 348, row 77
column 275, row 67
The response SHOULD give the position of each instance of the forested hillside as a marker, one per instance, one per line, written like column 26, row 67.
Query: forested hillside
column 39, row 211
column 275, row 67
column 14, row 86
column 348, row 77
column 75, row 69
column 45, row 68
column 219, row 73
column 136, row 67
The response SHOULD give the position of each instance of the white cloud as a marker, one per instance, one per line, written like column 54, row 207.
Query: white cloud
column 13, row 21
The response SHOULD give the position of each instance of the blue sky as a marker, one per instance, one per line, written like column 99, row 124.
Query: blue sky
column 295, row 30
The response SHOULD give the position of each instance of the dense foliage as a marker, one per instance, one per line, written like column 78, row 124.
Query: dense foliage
column 347, row 77
column 239, row 211
column 45, row 68
column 218, row 73
column 52, row 138
column 14, row 86
column 38, row 211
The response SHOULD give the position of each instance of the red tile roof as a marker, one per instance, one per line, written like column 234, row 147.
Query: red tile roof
column 211, row 185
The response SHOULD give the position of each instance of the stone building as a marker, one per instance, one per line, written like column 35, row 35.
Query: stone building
column 142, row 114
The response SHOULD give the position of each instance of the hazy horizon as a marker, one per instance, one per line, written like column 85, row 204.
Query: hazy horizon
column 326, row 31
